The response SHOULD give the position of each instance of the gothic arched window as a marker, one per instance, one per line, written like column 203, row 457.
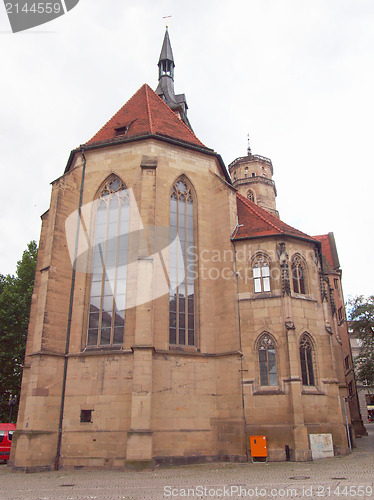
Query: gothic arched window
column 298, row 274
column 108, row 283
column 182, row 286
column 267, row 360
column 251, row 195
column 261, row 274
column 306, row 360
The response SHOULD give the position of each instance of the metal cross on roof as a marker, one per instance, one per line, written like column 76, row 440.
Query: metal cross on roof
column 166, row 17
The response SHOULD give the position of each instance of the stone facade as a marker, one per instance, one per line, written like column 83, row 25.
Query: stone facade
column 150, row 400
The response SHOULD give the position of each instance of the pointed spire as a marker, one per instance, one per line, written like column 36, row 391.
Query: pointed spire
column 166, row 62
column 165, row 88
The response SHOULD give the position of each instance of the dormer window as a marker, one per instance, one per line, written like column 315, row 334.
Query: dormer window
column 121, row 130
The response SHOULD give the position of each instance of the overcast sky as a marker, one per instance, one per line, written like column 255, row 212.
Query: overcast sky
column 298, row 75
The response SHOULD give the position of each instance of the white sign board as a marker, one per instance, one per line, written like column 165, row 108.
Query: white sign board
column 321, row 445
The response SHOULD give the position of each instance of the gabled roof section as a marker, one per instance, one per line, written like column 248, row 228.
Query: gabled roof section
column 329, row 250
column 255, row 222
column 145, row 114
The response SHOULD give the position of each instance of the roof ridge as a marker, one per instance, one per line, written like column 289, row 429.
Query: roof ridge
column 171, row 111
column 146, row 87
column 244, row 200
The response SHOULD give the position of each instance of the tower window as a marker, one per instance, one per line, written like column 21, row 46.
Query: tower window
column 182, row 266
column 251, row 195
column 253, row 174
column 306, row 360
column 108, row 285
column 267, row 361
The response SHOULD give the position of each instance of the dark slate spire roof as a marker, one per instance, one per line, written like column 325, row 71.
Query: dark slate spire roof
column 165, row 88
column 166, row 52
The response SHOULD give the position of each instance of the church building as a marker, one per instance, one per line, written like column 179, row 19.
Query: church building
column 174, row 313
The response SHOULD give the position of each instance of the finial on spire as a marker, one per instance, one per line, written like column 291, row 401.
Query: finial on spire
column 166, row 17
column 248, row 146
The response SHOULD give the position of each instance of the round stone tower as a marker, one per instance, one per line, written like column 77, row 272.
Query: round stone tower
column 252, row 176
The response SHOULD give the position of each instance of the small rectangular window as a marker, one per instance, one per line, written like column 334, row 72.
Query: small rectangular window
column 350, row 388
column 266, row 278
column 340, row 314
column 346, row 362
column 336, row 283
column 257, row 272
column 86, row 416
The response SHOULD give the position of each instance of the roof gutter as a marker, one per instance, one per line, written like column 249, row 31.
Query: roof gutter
column 169, row 140
column 281, row 235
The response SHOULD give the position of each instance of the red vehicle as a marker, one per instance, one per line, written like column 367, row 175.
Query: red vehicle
column 6, row 435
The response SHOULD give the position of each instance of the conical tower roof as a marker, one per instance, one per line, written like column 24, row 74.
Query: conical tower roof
column 166, row 52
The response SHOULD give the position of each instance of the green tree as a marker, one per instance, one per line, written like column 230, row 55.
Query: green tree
column 362, row 324
column 15, row 302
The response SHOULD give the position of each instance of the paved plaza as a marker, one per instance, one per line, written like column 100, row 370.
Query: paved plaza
column 339, row 477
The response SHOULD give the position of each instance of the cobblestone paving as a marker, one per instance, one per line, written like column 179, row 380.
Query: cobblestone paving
column 349, row 477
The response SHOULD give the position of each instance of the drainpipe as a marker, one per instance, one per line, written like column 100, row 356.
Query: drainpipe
column 347, row 423
column 68, row 330
column 240, row 347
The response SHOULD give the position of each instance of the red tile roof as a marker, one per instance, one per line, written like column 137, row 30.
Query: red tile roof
column 255, row 221
column 145, row 113
column 326, row 248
